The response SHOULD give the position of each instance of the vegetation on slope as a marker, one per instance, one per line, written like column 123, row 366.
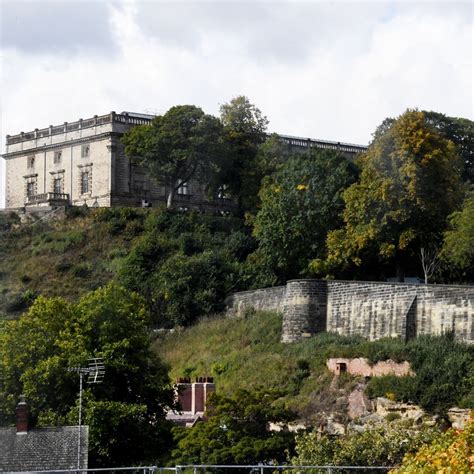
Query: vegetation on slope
column 55, row 258
column 452, row 451
column 183, row 264
column 246, row 353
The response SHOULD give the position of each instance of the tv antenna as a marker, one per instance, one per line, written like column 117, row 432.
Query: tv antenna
column 95, row 374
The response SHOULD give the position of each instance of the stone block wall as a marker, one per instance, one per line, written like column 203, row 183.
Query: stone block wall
column 267, row 299
column 304, row 309
column 369, row 309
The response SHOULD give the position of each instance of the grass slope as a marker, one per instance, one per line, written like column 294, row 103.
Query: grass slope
column 57, row 258
column 247, row 353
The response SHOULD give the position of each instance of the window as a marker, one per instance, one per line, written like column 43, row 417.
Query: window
column 85, row 185
column 183, row 188
column 31, row 162
column 85, row 151
column 58, row 185
column 57, row 156
column 30, row 189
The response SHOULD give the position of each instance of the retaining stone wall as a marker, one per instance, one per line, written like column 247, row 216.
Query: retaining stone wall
column 268, row 299
column 370, row 309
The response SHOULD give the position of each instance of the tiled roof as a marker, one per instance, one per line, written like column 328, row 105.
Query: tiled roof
column 42, row 449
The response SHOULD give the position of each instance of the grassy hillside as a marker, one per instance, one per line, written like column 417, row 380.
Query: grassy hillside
column 182, row 264
column 56, row 258
column 247, row 353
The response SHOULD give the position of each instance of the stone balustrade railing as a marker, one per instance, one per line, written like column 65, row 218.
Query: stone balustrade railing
column 46, row 197
column 323, row 144
column 80, row 124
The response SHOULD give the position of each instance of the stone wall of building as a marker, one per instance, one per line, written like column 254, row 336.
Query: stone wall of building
column 369, row 309
column 32, row 166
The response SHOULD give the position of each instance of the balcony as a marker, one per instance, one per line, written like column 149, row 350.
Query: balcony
column 47, row 199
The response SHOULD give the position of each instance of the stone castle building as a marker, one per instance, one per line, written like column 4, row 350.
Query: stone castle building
column 83, row 162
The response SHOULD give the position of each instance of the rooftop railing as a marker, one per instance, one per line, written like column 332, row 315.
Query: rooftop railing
column 80, row 124
column 131, row 119
column 324, row 144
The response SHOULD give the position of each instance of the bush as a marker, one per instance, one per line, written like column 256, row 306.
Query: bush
column 236, row 432
column 18, row 302
column 119, row 219
column 185, row 264
column 449, row 452
column 384, row 445
column 189, row 287
column 392, row 417
column 443, row 379
column 63, row 266
column 25, row 278
column 82, row 270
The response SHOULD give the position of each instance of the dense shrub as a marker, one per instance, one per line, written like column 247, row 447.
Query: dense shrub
column 20, row 301
column 385, row 445
column 81, row 270
column 185, row 264
column 449, row 452
column 236, row 432
column 443, row 379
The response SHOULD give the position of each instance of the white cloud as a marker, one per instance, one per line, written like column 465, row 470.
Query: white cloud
column 325, row 70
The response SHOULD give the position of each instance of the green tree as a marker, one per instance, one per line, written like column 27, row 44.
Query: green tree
column 183, row 144
column 449, row 452
column 409, row 184
column 300, row 203
column 461, row 132
column 126, row 412
column 236, row 432
column 377, row 446
column 185, row 264
column 458, row 246
column 244, row 131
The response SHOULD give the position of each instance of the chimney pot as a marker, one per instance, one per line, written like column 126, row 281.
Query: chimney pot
column 21, row 415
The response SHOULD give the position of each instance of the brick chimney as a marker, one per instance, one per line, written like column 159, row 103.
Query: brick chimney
column 192, row 397
column 21, row 416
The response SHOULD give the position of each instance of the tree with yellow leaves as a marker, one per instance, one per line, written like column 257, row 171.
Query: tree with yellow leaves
column 452, row 452
column 410, row 182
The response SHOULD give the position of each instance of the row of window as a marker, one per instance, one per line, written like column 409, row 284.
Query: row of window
column 58, row 155
column 85, row 184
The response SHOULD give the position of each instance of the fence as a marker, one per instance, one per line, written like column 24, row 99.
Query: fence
column 286, row 469
column 227, row 469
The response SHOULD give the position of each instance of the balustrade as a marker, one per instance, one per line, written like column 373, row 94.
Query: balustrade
column 46, row 197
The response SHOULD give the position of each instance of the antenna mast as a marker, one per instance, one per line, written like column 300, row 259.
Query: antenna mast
column 95, row 374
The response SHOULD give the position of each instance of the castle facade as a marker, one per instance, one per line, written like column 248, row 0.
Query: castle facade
column 84, row 163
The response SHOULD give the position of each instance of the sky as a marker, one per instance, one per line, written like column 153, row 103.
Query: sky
column 329, row 70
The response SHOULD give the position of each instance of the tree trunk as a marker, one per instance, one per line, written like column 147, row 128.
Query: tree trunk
column 169, row 201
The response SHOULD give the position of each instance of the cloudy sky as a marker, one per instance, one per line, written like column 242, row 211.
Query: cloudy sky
column 331, row 70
